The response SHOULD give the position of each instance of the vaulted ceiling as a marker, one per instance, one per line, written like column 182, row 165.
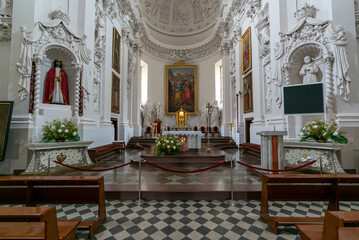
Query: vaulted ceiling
column 180, row 22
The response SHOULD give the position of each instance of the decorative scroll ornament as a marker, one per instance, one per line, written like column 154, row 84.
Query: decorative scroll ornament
column 44, row 36
column 59, row 14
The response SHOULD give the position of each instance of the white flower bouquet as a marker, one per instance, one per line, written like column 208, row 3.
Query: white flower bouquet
column 322, row 131
column 168, row 144
column 59, row 131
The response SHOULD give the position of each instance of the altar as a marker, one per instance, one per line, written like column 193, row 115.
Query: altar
column 193, row 138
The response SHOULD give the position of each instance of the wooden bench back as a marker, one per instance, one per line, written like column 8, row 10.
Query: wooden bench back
column 334, row 220
column 46, row 227
column 32, row 190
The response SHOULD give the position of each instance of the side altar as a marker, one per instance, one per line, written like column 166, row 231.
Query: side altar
column 44, row 155
column 326, row 154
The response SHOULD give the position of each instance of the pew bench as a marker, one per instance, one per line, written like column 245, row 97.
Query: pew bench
column 334, row 227
column 251, row 148
column 101, row 152
column 35, row 223
column 31, row 191
column 306, row 187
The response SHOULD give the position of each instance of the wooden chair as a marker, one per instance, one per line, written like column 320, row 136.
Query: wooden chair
column 215, row 131
column 334, row 227
column 203, row 130
column 148, row 131
column 35, row 223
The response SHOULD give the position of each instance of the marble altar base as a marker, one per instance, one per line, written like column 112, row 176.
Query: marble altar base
column 44, row 155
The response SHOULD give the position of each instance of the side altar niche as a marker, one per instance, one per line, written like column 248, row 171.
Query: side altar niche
column 70, row 153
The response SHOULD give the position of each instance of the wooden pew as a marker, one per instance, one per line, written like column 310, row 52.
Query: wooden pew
column 306, row 187
column 35, row 223
column 57, row 190
column 101, row 152
column 334, row 227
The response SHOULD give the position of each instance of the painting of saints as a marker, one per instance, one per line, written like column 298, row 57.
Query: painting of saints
column 246, row 51
column 248, row 94
column 181, row 84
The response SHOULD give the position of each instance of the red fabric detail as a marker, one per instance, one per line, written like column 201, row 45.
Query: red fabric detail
column 186, row 96
column 50, row 85
column 32, row 89
column 81, row 102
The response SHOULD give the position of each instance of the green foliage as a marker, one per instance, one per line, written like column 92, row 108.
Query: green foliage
column 60, row 130
column 322, row 131
column 168, row 144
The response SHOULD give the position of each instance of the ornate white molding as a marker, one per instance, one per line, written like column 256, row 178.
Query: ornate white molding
column 59, row 14
column 305, row 11
column 169, row 53
column 268, row 83
column 252, row 8
column 5, row 29
column 35, row 44
column 100, row 37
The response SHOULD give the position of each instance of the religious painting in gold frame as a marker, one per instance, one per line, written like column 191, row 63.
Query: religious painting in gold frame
column 246, row 51
column 116, row 50
column 5, row 121
column 181, row 88
column 115, row 94
column 248, row 93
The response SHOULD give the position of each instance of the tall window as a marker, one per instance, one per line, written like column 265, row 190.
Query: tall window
column 144, row 82
column 219, row 81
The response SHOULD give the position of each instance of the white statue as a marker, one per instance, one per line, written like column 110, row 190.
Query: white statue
column 309, row 71
column 147, row 111
column 216, row 114
column 204, row 116
column 339, row 38
column 159, row 112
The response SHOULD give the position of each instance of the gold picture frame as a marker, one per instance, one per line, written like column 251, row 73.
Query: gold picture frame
column 115, row 94
column 116, row 51
column 181, row 88
column 248, row 93
column 5, row 121
column 246, row 51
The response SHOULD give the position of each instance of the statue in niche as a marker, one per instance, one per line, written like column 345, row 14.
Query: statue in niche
column 56, row 90
column 147, row 111
column 309, row 71
column 216, row 114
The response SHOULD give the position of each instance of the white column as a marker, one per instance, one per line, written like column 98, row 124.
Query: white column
column 226, row 110
column 136, row 97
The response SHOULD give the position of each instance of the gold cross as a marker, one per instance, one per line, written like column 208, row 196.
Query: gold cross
column 305, row 155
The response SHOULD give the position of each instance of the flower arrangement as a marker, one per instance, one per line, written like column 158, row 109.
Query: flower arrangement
column 322, row 131
column 168, row 144
column 60, row 130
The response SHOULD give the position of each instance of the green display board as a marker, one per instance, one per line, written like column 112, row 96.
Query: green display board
column 5, row 120
column 303, row 99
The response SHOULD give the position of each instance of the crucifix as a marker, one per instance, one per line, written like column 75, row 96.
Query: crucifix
column 209, row 109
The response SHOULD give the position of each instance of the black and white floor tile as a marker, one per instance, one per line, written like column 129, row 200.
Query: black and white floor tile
column 192, row 219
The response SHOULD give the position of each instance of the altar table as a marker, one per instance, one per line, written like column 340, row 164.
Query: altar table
column 193, row 137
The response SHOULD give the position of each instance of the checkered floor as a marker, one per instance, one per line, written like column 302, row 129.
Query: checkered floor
column 192, row 219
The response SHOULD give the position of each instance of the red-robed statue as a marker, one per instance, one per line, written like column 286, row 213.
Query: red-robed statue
column 56, row 90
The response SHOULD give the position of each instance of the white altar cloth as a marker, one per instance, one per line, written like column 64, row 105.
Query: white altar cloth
column 193, row 137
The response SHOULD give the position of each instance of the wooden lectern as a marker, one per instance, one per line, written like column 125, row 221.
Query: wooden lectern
column 272, row 149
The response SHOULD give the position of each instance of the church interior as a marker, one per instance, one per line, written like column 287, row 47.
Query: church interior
column 179, row 119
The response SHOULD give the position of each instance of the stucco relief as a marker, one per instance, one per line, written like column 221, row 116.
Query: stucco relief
column 268, row 83
column 5, row 8
column 5, row 20
column 180, row 16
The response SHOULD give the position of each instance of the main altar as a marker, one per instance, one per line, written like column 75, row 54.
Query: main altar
column 192, row 138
